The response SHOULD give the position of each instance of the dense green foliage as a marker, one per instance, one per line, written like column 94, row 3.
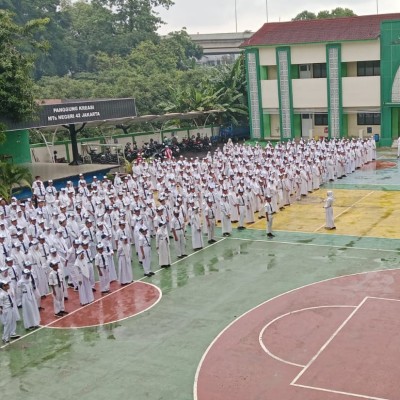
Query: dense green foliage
column 145, row 74
column 111, row 49
column 13, row 177
column 79, row 29
column 223, row 88
column 338, row 12
column 16, row 84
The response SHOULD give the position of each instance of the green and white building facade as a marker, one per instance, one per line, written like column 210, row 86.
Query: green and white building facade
column 332, row 78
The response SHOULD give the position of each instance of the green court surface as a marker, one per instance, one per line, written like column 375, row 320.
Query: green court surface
column 155, row 355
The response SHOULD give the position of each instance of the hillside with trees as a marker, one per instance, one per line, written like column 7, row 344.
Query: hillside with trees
column 111, row 49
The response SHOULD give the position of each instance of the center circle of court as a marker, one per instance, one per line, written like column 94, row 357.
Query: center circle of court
column 332, row 340
column 121, row 303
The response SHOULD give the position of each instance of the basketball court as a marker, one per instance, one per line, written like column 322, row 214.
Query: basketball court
column 311, row 314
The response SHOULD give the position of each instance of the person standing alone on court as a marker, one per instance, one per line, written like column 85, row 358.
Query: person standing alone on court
column 269, row 214
column 329, row 220
column 398, row 147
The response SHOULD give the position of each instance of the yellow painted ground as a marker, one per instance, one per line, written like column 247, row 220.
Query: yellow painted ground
column 356, row 212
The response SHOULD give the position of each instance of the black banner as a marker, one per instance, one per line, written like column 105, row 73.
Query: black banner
column 78, row 112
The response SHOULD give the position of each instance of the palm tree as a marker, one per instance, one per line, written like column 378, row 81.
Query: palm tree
column 224, row 89
column 12, row 177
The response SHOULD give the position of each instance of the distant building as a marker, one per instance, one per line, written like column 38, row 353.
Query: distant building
column 220, row 48
column 331, row 77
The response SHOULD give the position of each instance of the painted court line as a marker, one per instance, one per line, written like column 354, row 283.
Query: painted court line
column 66, row 316
column 208, row 349
column 293, row 383
column 115, row 291
column 314, row 245
column 347, row 209
column 264, row 347
column 138, row 280
column 329, row 341
column 330, row 234
column 111, row 322
column 339, row 392
column 383, row 298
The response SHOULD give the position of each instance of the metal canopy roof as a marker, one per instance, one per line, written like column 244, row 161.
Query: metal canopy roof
column 129, row 121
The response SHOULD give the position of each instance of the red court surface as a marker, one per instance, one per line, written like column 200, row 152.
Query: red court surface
column 362, row 357
column 123, row 302
column 334, row 340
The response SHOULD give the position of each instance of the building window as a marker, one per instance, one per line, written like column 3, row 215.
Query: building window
column 368, row 119
column 264, row 73
column 321, row 119
column 319, row 70
column 368, row 68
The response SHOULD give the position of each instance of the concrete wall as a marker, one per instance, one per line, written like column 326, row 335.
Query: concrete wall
column 269, row 93
column 361, row 51
column 267, row 56
column 320, row 131
column 308, row 54
column 310, row 93
column 363, row 91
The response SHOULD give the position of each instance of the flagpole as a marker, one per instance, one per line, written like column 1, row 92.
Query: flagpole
column 266, row 6
column 236, row 14
column 377, row 6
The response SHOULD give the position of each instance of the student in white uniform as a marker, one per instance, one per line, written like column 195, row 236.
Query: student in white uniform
column 145, row 250
column 83, row 276
column 398, row 147
column 241, row 208
column 56, row 283
column 124, row 256
column 329, row 220
column 7, row 314
column 269, row 214
column 178, row 232
column 30, row 309
column 196, row 228
column 226, row 216
column 162, row 243
column 103, row 268
column 210, row 216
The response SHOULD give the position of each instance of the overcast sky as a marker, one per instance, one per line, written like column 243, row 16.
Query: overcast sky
column 212, row 16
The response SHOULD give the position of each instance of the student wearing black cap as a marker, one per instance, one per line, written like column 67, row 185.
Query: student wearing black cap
column 56, row 283
column 103, row 268
column 269, row 211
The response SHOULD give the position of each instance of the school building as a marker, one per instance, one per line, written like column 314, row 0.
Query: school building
column 331, row 77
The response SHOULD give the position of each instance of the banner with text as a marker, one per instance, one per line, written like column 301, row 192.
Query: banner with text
column 78, row 113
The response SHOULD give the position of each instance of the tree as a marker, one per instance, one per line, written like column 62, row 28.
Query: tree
column 136, row 20
column 304, row 15
column 12, row 177
column 60, row 55
column 145, row 74
column 338, row 12
column 223, row 89
column 17, row 99
column 137, row 15
column 182, row 45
